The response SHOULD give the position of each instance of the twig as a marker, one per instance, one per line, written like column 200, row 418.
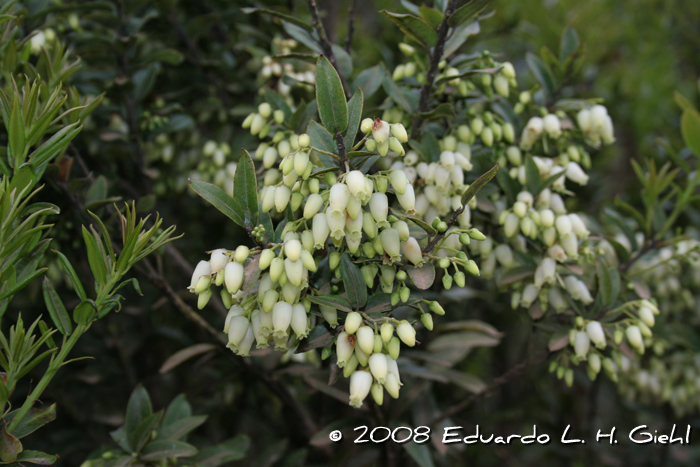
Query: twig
column 341, row 151
column 433, row 242
column 495, row 384
column 326, row 45
column 435, row 58
column 351, row 26
column 646, row 249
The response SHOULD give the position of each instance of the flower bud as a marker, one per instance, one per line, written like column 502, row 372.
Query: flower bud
column 408, row 200
column 360, row 385
column 406, row 333
column 353, row 320
column 380, row 131
column 238, row 327
column 413, row 252
column 427, row 320
column 366, row 125
column 392, row 385
column 391, row 244
column 582, row 344
column 378, row 367
column 232, row 313
column 365, row 339
column 234, row 275
column 394, row 347
column 552, row 126
column 575, row 173
column 281, row 318
column 377, row 392
column 218, row 260
column 304, row 140
column 398, row 130
column 500, row 84
column 330, row 314
column 203, row 268
column 512, row 225
column 487, row 136
column 596, row 334
column 299, row 321
column 634, row 337
column 339, row 197
column 266, row 257
column 292, row 249
column 294, row 271
column 355, row 181
column 647, row 316
column 320, row 230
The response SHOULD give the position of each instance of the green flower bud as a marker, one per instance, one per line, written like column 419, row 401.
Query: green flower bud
column 334, row 260
column 427, row 320
column 304, row 140
column 387, row 332
column 394, row 345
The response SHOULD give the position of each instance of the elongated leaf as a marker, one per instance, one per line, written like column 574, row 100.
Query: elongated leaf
column 420, row 453
column 478, row 185
column 162, row 449
column 330, row 97
column 185, row 354
column 320, row 336
column 220, row 200
column 690, row 128
column 422, row 224
column 16, row 133
column 532, row 175
column 354, row 117
column 284, row 16
column 370, row 79
column 335, row 301
column 460, row 35
column 36, row 457
column 395, row 93
column 321, row 139
column 137, row 410
column 569, row 43
column 56, row 309
column 431, row 16
column 97, row 265
column 230, row 450
column 245, row 189
column 301, row 35
column 355, row 286
column 414, row 27
column 142, row 434
column 177, row 409
column 443, row 110
column 21, row 284
column 180, row 428
column 467, row 11
column 541, row 72
column 35, row 419
column 55, row 144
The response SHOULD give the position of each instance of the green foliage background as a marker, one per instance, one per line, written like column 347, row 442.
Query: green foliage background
column 638, row 54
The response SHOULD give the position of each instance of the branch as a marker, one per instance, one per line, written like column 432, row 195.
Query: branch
column 495, row 384
column 351, row 26
column 326, row 45
column 435, row 58
column 341, row 151
column 646, row 249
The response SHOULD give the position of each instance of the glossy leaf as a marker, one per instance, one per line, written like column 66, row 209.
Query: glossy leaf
column 320, row 336
column 180, row 428
column 335, row 301
column 478, row 185
column 467, row 11
column 185, row 354
column 36, row 457
column 10, row 446
column 56, row 309
column 245, row 190
column 422, row 277
column 569, row 43
column 143, row 431
column 355, row 105
column 220, row 200
column 35, row 419
column 231, row 450
column 355, row 286
column 137, row 410
column 541, row 72
column 330, row 97
column 414, row 27
column 163, row 449
column 370, row 79
column 690, row 128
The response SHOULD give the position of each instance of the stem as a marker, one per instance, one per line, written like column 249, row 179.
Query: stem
column 341, row 151
column 435, row 58
column 326, row 45
column 351, row 26
column 55, row 364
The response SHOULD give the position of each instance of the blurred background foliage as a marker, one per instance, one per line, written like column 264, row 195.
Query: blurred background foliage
column 177, row 74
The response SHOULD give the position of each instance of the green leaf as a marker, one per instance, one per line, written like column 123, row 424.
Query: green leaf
column 302, row 36
column 24, row 179
column 10, row 446
column 354, row 118
column 137, row 410
column 84, row 312
column 36, row 457
column 690, row 128
column 466, row 12
column 321, row 139
column 320, row 336
column 162, row 449
column 142, row 433
column 330, row 97
column 280, row 15
column 170, row 56
column 180, row 428
column 431, row 16
column 420, row 453
column 219, row 199
column 414, row 27
column 443, row 110
column 35, row 419
column 277, row 102
column 97, row 265
column 370, row 79
column 145, row 80
column 569, row 43
column 335, row 301
column 355, row 286
column 16, row 136
column 604, row 282
column 548, row 182
column 460, row 35
column 56, row 144
column 230, row 450
column 532, row 175
column 56, row 309
column 395, row 92
column 21, row 284
column 541, row 72
column 245, row 189
column 177, row 409
column 422, row 224
column 478, row 185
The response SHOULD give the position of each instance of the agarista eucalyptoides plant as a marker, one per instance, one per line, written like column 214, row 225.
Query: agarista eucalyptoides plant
column 353, row 218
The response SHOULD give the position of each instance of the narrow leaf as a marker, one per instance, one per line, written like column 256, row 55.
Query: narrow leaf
column 245, row 190
column 355, row 286
column 330, row 97
column 56, row 309
column 478, row 185
column 220, row 200
column 185, row 354
column 335, row 301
